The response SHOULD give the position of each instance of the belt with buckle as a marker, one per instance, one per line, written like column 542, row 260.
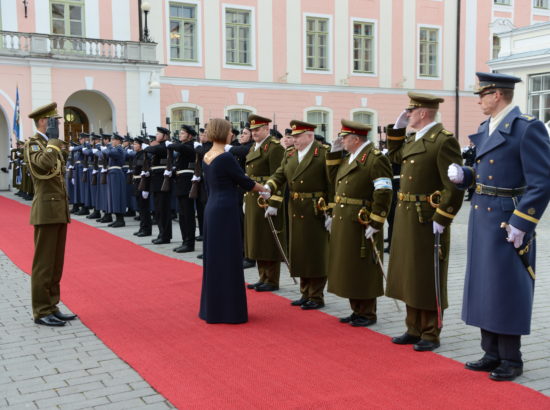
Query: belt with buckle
column 306, row 195
column 185, row 171
column 114, row 167
column 496, row 191
column 351, row 201
column 156, row 167
column 260, row 179
column 432, row 199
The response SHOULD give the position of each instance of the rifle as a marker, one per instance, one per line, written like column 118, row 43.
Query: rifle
column 130, row 175
column 194, row 191
column 96, row 168
column 381, row 142
column 104, row 166
column 70, row 174
column 146, row 168
column 85, row 169
column 166, row 182
column 53, row 128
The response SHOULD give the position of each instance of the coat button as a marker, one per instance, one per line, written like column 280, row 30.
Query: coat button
column 489, row 209
column 476, row 206
column 404, row 161
column 402, row 175
column 412, row 161
column 478, row 161
column 341, row 205
column 294, row 215
column 302, row 216
column 490, row 177
column 477, row 177
column 491, row 161
column 301, row 182
column 340, row 218
column 410, row 178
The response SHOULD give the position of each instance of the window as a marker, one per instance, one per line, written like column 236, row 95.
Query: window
column 363, row 47
column 364, row 117
column 67, row 17
column 183, row 32
column 238, row 43
column 183, row 116
column 319, row 118
column 503, row 2
column 539, row 96
column 541, row 4
column 237, row 117
column 496, row 46
column 317, row 43
column 428, row 52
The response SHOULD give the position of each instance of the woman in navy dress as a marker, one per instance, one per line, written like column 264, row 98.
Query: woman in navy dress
column 223, row 296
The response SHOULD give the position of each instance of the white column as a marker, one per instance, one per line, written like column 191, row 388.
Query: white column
column 133, row 109
column 212, row 42
column 449, row 45
column 149, row 101
column 155, row 23
column 469, row 26
column 384, row 43
column 121, row 20
column 91, row 18
column 41, row 85
column 341, row 44
column 409, row 43
column 41, row 15
column 265, row 40
column 294, row 30
column 9, row 15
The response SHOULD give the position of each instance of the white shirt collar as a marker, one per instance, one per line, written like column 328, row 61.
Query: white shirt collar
column 495, row 121
column 354, row 155
column 424, row 130
column 259, row 144
column 44, row 135
column 302, row 153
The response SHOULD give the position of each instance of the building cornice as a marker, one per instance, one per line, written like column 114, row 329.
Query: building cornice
column 79, row 65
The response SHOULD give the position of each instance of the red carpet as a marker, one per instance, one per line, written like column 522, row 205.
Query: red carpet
column 144, row 306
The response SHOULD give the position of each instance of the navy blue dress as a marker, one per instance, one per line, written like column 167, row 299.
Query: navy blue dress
column 223, row 295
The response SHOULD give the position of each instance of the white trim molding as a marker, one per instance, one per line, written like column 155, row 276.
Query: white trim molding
column 330, row 68
column 228, row 108
column 198, row 32
column 175, row 106
column 330, row 119
column 252, row 65
column 439, row 51
column 374, row 113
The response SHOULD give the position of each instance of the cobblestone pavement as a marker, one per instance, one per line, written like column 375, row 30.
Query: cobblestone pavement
column 70, row 368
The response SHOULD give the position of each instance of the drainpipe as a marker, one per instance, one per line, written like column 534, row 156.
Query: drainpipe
column 140, row 23
column 457, row 79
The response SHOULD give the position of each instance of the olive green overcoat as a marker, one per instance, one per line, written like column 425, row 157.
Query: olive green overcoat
column 352, row 270
column 307, row 181
column 259, row 243
column 424, row 165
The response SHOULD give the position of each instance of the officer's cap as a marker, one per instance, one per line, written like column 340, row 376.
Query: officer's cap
column 83, row 135
column 188, row 129
column 138, row 140
column 354, row 127
column 45, row 111
column 117, row 136
column 256, row 121
column 106, row 136
column 421, row 100
column 495, row 80
column 163, row 130
column 95, row 136
column 299, row 127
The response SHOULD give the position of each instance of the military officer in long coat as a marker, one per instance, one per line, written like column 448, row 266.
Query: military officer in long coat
column 362, row 180
column 427, row 203
column 262, row 161
column 116, row 181
column 303, row 170
column 45, row 158
column 512, row 186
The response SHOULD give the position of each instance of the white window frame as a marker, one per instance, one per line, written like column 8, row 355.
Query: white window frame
column 439, row 52
column 330, row 69
column 181, row 105
column 238, row 107
column 374, row 113
column 504, row 7
column 252, row 10
column 539, row 11
column 330, row 117
column 198, row 6
column 81, row 3
column 374, row 47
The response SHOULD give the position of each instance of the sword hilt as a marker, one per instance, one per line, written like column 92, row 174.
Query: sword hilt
column 363, row 216
column 262, row 203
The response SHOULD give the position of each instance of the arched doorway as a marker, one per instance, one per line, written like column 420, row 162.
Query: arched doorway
column 92, row 106
column 75, row 122
column 5, row 146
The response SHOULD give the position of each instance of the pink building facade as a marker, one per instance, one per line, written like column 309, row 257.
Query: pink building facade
column 318, row 61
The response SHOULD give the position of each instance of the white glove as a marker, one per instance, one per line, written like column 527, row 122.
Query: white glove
column 72, row 181
column 103, row 149
column 95, row 171
column 168, row 143
column 84, row 169
column 267, row 188
column 144, row 174
column 270, row 211
column 70, row 167
column 370, row 231
column 402, row 121
column 144, row 194
column 227, row 147
column 94, row 150
column 328, row 223
column 438, row 228
column 515, row 236
column 337, row 145
column 167, row 173
column 455, row 174
column 103, row 170
column 265, row 195
column 195, row 178
column 196, row 144
column 71, row 148
column 244, row 206
column 128, row 150
column 129, row 171
column 143, row 146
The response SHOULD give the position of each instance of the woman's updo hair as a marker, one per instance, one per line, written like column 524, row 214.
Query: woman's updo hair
column 218, row 130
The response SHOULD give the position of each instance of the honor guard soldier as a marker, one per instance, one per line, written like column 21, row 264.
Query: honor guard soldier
column 116, row 181
column 129, row 155
column 142, row 199
column 427, row 203
column 362, row 199
column 262, row 161
column 87, row 160
column 185, row 168
column 78, row 187
column 512, row 190
column 45, row 156
column 102, row 180
column 161, row 199
column 303, row 170
column 93, row 171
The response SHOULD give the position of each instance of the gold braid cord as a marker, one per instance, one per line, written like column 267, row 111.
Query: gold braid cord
column 53, row 173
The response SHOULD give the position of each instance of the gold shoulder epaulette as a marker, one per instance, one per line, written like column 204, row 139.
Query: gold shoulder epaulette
column 444, row 131
column 326, row 146
column 527, row 117
column 275, row 140
column 290, row 149
column 377, row 152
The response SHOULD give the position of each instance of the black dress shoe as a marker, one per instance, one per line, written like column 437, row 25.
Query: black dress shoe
column 387, row 250
column 141, row 234
column 94, row 215
column 159, row 241
column 117, row 224
column 311, row 305
column 425, row 346
column 362, row 322
column 199, row 256
column 254, row 285
column 137, row 218
column 266, row 287
column 299, row 302
column 248, row 263
column 64, row 316
column 506, row 372
column 137, row 233
column 49, row 320
column 405, row 339
column 482, row 365
column 130, row 213
column 199, row 238
column 184, row 249
column 349, row 318
column 83, row 211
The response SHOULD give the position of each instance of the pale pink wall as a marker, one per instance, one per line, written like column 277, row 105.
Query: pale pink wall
column 25, row 25
column 134, row 20
column 279, row 40
column 10, row 78
column 431, row 13
column 106, row 19
column 397, row 43
column 484, row 43
column 522, row 13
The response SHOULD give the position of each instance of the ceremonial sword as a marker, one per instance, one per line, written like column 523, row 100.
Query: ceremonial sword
column 363, row 219
column 262, row 203
column 522, row 253
column 437, row 280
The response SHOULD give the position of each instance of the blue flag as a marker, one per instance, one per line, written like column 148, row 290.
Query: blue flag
column 16, row 116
